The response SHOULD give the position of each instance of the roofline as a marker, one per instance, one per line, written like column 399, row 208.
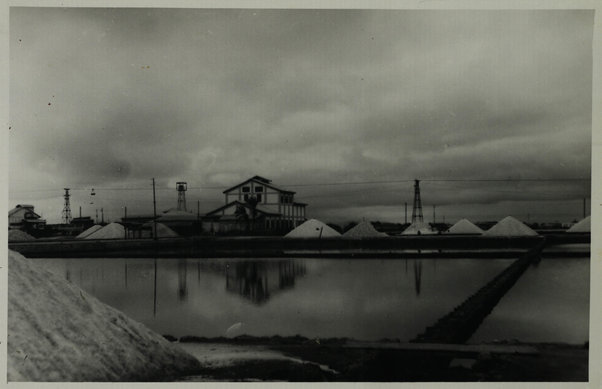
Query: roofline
column 260, row 179
column 240, row 203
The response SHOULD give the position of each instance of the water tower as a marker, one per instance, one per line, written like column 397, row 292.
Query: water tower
column 182, row 187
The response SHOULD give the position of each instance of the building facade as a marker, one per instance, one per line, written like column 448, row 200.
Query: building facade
column 24, row 218
column 256, row 205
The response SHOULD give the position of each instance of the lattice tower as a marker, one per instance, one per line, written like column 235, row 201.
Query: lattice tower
column 417, row 209
column 67, row 208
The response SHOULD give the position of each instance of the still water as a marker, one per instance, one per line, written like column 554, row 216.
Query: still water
column 361, row 299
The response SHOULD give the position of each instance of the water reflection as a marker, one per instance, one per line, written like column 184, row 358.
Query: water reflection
column 417, row 275
column 256, row 281
column 362, row 299
column 182, row 275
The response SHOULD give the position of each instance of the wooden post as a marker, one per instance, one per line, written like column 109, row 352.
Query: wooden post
column 155, row 215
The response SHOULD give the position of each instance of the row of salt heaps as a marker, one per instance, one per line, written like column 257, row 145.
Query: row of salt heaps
column 364, row 230
column 162, row 230
column 117, row 231
column 110, row 231
column 464, row 227
column 18, row 235
column 508, row 226
column 89, row 231
column 312, row 229
column 583, row 226
column 418, row 228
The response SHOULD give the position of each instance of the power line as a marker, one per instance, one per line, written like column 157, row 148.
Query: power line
column 341, row 183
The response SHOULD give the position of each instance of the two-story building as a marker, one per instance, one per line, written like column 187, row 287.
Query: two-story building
column 256, row 205
column 24, row 218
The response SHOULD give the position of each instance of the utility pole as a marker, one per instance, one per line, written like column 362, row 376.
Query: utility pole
column 102, row 216
column 154, row 212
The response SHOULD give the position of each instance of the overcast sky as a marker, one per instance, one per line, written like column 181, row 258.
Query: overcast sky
column 109, row 98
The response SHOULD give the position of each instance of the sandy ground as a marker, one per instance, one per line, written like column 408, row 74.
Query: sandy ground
column 305, row 361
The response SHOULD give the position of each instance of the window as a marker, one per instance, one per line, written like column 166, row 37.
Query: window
column 246, row 197
column 258, row 189
column 246, row 189
column 259, row 198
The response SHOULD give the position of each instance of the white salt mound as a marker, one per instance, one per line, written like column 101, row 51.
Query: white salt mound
column 311, row 229
column 175, row 215
column 364, row 230
column 510, row 226
column 89, row 231
column 583, row 226
column 163, row 231
column 58, row 332
column 18, row 235
column 464, row 226
column 110, row 231
column 415, row 228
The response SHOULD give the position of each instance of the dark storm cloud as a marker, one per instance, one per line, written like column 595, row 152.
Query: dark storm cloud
column 109, row 97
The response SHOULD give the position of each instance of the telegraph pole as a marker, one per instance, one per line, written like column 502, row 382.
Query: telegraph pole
column 154, row 212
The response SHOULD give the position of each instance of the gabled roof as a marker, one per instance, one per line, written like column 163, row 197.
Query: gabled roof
column 236, row 203
column 24, row 207
column 261, row 180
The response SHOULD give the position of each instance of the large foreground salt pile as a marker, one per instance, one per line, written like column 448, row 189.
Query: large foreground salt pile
column 312, row 229
column 510, row 226
column 464, row 226
column 418, row 228
column 110, row 231
column 364, row 230
column 89, row 231
column 18, row 235
column 584, row 225
column 58, row 332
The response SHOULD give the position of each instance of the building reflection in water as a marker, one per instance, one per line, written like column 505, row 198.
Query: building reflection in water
column 257, row 281
column 417, row 275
